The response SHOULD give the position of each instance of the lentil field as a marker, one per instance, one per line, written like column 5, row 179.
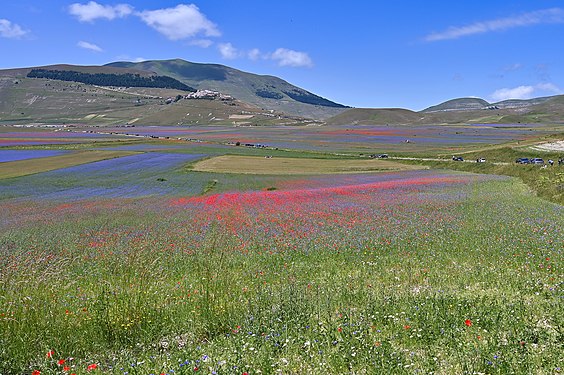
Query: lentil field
column 141, row 265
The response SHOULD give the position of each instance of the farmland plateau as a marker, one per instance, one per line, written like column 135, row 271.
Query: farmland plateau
column 280, row 249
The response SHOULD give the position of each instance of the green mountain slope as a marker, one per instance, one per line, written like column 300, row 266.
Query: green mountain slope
column 461, row 104
column 265, row 91
column 368, row 116
column 463, row 110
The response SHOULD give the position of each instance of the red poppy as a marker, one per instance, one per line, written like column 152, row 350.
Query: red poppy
column 340, row 329
column 92, row 367
column 50, row 354
column 36, row 372
column 406, row 327
column 66, row 368
column 468, row 323
column 61, row 361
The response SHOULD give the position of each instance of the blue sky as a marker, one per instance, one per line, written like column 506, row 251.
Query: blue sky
column 409, row 54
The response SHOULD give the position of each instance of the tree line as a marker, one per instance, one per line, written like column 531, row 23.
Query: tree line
column 109, row 79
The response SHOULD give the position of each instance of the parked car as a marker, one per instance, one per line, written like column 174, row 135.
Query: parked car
column 523, row 161
column 457, row 158
column 382, row 156
column 480, row 160
column 537, row 161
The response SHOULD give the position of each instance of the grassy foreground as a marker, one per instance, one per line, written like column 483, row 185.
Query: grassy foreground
column 444, row 279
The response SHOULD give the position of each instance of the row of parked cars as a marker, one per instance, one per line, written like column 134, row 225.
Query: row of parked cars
column 537, row 161
column 529, row 161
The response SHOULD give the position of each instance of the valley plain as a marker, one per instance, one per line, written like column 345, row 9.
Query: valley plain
column 222, row 237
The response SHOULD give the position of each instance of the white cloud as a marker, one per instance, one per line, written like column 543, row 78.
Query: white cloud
column 92, row 10
column 89, row 46
column 548, row 87
column 521, row 92
column 288, row 57
column 204, row 43
column 254, row 54
column 283, row 56
column 139, row 59
column 553, row 15
column 512, row 67
column 11, row 30
column 180, row 22
column 228, row 51
column 526, row 92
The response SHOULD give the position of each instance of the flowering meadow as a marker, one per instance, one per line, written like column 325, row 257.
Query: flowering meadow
column 137, row 265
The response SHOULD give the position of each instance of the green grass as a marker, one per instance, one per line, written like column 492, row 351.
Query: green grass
column 547, row 183
column 120, row 287
column 285, row 166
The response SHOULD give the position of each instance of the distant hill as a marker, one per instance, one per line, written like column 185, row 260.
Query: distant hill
column 367, row 116
column 264, row 91
column 461, row 104
column 463, row 110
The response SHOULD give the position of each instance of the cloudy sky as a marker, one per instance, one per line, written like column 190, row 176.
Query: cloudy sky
column 409, row 54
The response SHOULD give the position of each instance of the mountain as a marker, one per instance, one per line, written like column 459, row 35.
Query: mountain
column 462, row 110
column 104, row 95
column 368, row 116
column 137, row 92
column 461, row 104
column 264, row 91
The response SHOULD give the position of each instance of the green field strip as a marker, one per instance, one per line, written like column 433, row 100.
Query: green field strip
column 288, row 166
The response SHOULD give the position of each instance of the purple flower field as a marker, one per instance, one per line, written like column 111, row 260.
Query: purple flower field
column 13, row 155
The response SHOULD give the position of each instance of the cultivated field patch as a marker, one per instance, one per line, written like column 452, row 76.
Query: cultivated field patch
column 30, row 166
column 281, row 165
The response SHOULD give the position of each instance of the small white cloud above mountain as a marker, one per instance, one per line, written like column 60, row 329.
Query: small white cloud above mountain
column 92, row 11
column 288, row 57
column 543, row 16
column 254, row 54
column 203, row 43
column 11, row 30
column 227, row 51
column 89, row 46
column 181, row 22
column 526, row 92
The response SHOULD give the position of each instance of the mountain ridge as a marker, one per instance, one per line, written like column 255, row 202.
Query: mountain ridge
column 266, row 91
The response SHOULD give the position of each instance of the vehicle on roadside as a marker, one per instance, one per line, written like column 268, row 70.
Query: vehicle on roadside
column 523, row 161
column 457, row 158
column 481, row 160
column 382, row 156
column 537, row 161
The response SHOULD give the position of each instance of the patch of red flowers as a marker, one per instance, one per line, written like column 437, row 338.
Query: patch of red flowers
column 36, row 372
column 468, row 323
column 92, row 367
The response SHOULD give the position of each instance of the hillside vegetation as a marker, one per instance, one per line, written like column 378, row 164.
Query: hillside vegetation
column 265, row 91
column 105, row 79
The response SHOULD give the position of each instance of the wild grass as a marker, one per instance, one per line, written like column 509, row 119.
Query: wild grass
column 442, row 279
column 547, row 182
